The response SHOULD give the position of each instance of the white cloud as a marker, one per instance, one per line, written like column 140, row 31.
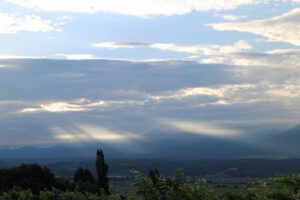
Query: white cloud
column 56, row 107
column 226, row 95
column 239, row 46
column 284, row 28
column 78, row 105
column 86, row 132
column 284, row 91
column 3, row 66
column 223, row 95
column 117, row 45
column 222, row 91
column 14, row 23
column 145, row 8
column 231, row 94
column 205, row 49
column 75, row 56
column 201, row 128
column 214, row 60
column 236, row 54
column 231, row 17
column 280, row 58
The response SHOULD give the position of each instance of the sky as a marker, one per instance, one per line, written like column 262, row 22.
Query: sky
column 122, row 71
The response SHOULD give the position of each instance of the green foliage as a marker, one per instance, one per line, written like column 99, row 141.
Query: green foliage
column 286, row 187
column 26, row 195
column 156, row 187
column 84, row 181
column 160, row 188
column 83, row 175
column 33, row 177
column 63, row 185
column 78, row 196
column 34, row 182
column 249, row 195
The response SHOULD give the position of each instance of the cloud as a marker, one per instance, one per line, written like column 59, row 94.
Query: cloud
column 236, row 54
column 45, row 93
column 5, row 57
column 145, row 8
column 201, row 128
column 3, row 66
column 69, row 75
column 228, row 95
column 117, row 45
column 226, row 92
column 224, row 95
column 78, row 105
column 14, row 23
column 56, row 107
column 75, row 56
column 193, row 49
column 284, row 28
column 91, row 133
column 214, row 60
column 231, row 17
column 284, row 91
column 220, row 95
column 223, row 91
column 280, row 58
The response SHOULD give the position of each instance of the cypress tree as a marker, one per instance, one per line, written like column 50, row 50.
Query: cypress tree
column 102, row 171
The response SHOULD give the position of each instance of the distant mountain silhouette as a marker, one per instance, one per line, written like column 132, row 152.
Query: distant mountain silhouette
column 166, row 144
column 159, row 145
column 57, row 151
column 184, row 145
column 288, row 142
column 290, row 136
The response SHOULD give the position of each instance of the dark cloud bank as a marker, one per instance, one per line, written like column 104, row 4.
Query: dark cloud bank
column 166, row 109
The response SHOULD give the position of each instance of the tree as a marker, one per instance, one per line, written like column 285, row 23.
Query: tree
column 83, row 175
column 154, row 175
column 102, row 171
column 84, row 180
column 33, row 177
column 176, row 188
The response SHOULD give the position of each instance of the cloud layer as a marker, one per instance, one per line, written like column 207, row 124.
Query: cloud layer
column 146, row 8
column 141, row 103
column 14, row 23
column 169, row 82
column 284, row 28
column 192, row 49
column 240, row 53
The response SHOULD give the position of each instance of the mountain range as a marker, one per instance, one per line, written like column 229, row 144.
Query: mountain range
column 177, row 146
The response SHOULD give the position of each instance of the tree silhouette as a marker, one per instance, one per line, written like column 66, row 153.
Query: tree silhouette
column 154, row 175
column 84, row 180
column 102, row 171
column 83, row 175
column 33, row 177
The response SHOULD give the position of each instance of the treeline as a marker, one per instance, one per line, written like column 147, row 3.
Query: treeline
column 38, row 178
column 34, row 182
column 31, row 177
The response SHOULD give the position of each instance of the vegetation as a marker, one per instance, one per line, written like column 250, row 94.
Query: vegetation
column 84, row 180
column 31, row 177
column 241, row 168
column 102, row 171
column 34, row 182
